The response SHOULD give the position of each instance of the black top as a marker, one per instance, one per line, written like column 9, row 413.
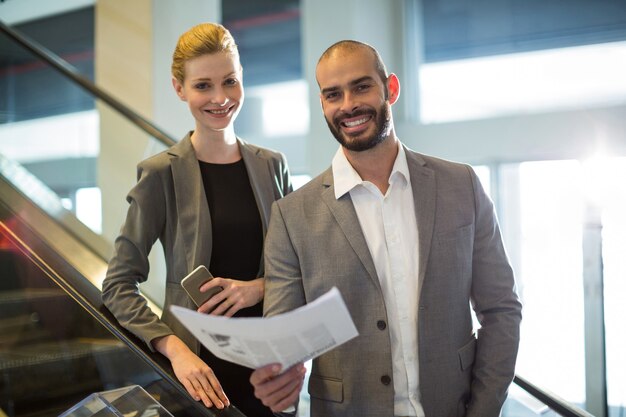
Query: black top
column 237, row 231
column 237, row 234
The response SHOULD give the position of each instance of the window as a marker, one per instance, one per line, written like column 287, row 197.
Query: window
column 529, row 82
column 545, row 208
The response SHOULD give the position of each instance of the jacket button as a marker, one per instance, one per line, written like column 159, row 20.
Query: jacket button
column 381, row 325
column 385, row 379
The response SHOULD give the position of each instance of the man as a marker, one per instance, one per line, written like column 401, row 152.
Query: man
column 409, row 240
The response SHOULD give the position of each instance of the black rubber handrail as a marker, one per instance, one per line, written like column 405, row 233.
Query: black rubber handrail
column 58, row 265
column 73, row 74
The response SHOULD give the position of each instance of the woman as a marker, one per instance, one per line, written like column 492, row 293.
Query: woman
column 207, row 199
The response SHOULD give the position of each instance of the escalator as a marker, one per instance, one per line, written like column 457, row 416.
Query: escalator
column 58, row 343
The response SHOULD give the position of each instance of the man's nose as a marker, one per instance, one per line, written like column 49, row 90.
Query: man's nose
column 349, row 103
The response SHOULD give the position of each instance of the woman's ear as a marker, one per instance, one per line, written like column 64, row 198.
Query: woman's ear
column 178, row 87
column 393, row 88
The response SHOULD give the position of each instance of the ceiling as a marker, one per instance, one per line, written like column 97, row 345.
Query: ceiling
column 268, row 35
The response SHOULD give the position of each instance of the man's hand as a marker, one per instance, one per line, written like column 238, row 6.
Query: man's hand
column 278, row 391
column 234, row 296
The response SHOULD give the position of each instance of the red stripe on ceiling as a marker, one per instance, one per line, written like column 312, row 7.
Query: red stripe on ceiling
column 37, row 65
column 261, row 20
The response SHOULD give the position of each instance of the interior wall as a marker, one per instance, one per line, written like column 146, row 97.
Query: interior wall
column 123, row 59
column 578, row 134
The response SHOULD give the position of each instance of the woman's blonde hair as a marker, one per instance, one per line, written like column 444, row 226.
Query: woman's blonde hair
column 202, row 39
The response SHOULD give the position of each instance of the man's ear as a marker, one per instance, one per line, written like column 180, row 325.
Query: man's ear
column 393, row 88
column 178, row 87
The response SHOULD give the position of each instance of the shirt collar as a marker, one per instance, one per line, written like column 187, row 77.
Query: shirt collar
column 345, row 177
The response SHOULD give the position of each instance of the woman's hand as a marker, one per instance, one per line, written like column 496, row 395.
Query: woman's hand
column 234, row 296
column 195, row 375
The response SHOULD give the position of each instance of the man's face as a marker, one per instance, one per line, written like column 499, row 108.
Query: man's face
column 353, row 99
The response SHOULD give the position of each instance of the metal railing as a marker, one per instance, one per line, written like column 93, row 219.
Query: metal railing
column 69, row 71
column 550, row 399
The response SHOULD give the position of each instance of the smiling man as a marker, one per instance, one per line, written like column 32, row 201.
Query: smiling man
column 412, row 242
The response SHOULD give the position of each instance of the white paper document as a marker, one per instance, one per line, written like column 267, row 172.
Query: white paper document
column 289, row 338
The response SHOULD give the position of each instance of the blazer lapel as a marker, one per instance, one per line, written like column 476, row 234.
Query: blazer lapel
column 193, row 210
column 260, row 175
column 345, row 214
column 424, row 198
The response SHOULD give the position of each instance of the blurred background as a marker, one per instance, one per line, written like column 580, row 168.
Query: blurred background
column 531, row 93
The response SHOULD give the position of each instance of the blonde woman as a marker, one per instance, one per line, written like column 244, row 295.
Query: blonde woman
column 207, row 199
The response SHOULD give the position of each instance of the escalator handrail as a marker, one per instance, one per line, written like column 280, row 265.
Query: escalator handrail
column 559, row 405
column 88, row 297
column 68, row 70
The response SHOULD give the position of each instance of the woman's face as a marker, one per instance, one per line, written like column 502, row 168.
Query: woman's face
column 213, row 90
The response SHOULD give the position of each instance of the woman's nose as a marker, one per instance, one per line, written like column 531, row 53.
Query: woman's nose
column 218, row 97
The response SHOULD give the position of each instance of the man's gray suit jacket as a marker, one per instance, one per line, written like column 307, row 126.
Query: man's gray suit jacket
column 168, row 203
column 315, row 242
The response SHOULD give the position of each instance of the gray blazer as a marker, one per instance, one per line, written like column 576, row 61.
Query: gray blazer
column 315, row 242
column 168, row 203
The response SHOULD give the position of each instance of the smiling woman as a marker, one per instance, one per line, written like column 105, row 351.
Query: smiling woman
column 207, row 199
column 213, row 90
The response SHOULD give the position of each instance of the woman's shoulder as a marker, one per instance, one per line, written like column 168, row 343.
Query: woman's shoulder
column 162, row 160
column 261, row 151
column 155, row 163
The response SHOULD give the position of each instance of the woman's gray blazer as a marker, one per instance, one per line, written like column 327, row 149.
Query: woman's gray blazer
column 168, row 203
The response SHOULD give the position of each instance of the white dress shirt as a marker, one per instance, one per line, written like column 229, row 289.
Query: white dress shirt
column 390, row 228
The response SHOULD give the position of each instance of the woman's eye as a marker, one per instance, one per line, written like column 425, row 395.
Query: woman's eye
column 201, row 86
column 231, row 81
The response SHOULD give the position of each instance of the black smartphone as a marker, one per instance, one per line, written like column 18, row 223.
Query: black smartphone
column 192, row 283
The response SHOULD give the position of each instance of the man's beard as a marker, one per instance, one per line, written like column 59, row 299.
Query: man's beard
column 382, row 125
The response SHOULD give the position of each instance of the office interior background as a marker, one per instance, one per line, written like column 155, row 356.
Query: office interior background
column 531, row 93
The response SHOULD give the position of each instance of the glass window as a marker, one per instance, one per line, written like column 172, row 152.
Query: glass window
column 609, row 177
column 267, row 33
column 284, row 107
column 89, row 207
column 484, row 174
column 550, row 278
column 529, row 82
column 455, row 29
column 543, row 218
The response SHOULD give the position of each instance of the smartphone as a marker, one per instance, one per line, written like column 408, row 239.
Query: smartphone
column 192, row 283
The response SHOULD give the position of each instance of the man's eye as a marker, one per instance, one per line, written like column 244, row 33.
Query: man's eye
column 331, row 96
column 363, row 87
